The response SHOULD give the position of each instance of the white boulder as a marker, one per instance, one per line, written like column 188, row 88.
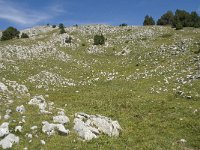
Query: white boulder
column 20, row 109
column 3, row 87
column 8, row 141
column 4, row 129
column 40, row 102
column 90, row 126
column 61, row 119
column 50, row 128
column 18, row 129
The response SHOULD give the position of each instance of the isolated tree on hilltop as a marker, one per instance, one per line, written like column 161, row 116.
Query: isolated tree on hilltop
column 10, row 33
column 166, row 19
column 123, row 25
column 62, row 28
column 61, row 25
column 148, row 20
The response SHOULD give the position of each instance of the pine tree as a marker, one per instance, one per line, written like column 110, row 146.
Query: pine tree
column 166, row 19
column 148, row 21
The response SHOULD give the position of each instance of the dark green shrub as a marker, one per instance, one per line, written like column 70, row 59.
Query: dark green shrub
column 99, row 40
column 10, row 33
column 197, row 51
column 61, row 25
column 68, row 40
column 24, row 35
column 54, row 26
column 62, row 31
column 123, row 25
column 179, row 26
column 83, row 44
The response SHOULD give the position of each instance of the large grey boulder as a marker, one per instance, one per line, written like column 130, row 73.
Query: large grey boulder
column 90, row 126
column 4, row 129
column 8, row 141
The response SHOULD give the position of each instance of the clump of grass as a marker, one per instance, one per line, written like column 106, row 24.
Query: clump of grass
column 167, row 35
column 197, row 51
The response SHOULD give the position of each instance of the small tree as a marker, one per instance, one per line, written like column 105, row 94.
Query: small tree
column 148, row 20
column 99, row 40
column 24, row 35
column 62, row 31
column 54, row 26
column 10, row 33
column 61, row 25
column 68, row 40
column 123, row 25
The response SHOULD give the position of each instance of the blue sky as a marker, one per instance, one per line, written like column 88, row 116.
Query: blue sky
column 28, row 13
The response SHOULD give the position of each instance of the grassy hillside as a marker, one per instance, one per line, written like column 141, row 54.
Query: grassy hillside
column 147, row 78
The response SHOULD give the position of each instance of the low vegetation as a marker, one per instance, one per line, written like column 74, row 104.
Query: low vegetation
column 99, row 40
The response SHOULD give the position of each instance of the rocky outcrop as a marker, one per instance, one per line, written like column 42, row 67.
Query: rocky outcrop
column 91, row 126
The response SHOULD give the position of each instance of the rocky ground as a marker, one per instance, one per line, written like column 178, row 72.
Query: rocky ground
column 138, row 91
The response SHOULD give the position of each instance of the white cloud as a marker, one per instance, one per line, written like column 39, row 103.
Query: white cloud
column 18, row 14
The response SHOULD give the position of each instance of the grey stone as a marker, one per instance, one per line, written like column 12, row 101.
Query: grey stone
column 90, row 126
column 20, row 109
column 4, row 129
column 8, row 141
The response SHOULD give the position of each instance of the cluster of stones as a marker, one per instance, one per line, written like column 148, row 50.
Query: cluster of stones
column 86, row 126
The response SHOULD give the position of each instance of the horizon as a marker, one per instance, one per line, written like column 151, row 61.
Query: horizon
column 24, row 14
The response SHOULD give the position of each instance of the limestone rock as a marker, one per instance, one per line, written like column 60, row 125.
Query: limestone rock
column 62, row 119
column 90, row 126
column 8, row 141
column 50, row 128
column 18, row 129
column 4, row 129
column 20, row 109
column 40, row 102
column 3, row 87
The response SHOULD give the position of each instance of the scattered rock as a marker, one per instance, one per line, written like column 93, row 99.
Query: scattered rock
column 8, row 141
column 40, row 102
column 62, row 119
column 43, row 142
column 4, row 129
column 18, row 129
column 34, row 127
column 3, row 88
column 20, row 109
column 50, row 128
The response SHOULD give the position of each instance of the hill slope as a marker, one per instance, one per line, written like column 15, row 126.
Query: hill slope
column 147, row 78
